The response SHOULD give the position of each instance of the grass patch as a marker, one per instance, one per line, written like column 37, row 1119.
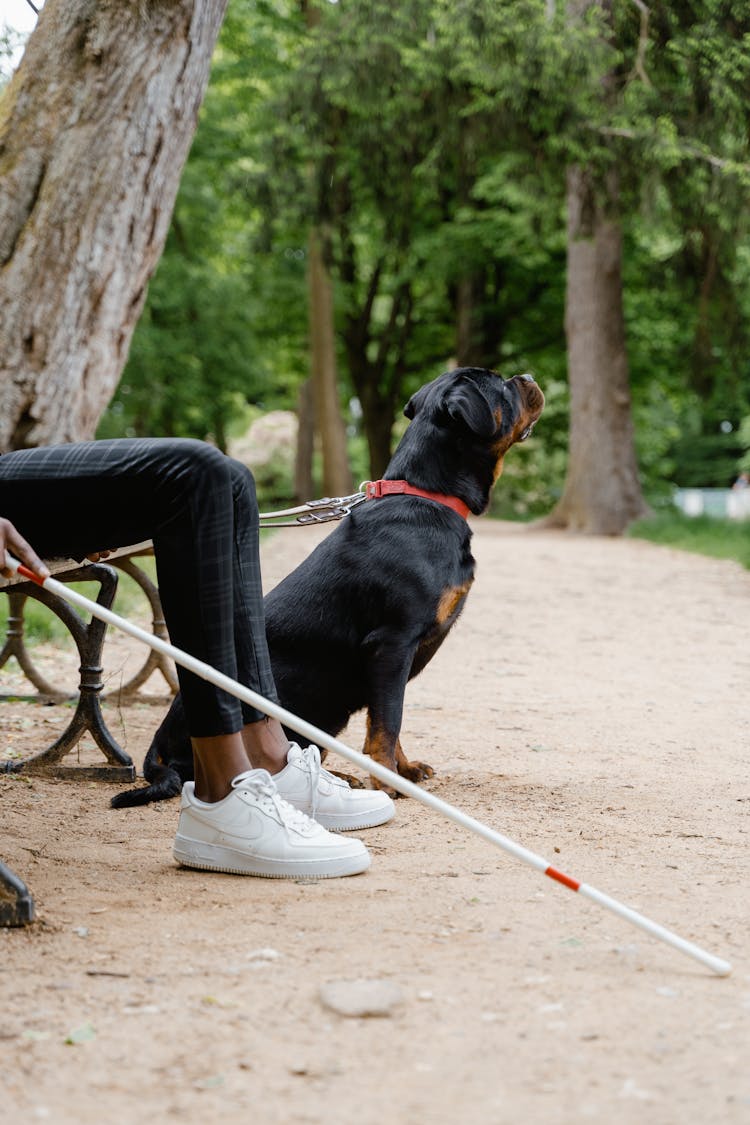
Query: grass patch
column 703, row 535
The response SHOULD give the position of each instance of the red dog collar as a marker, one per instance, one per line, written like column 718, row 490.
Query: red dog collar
column 375, row 489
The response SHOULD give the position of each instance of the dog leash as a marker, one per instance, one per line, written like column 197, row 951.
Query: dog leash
column 314, row 511
column 337, row 507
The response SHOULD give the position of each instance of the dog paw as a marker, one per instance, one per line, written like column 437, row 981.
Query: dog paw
column 352, row 781
column 412, row 771
column 416, row 771
column 377, row 784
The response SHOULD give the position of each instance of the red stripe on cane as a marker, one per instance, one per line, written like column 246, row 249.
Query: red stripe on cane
column 564, row 879
column 24, row 570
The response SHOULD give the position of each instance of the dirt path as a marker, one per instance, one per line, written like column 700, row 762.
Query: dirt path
column 592, row 705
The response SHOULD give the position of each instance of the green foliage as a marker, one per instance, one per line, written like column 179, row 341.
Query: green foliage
column 428, row 141
column 41, row 625
column 704, row 535
column 189, row 371
column 225, row 322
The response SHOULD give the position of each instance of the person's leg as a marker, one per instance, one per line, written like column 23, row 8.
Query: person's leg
column 263, row 738
column 79, row 498
column 217, row 760
column 200, row 511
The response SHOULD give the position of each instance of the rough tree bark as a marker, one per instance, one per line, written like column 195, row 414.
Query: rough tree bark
column 602, row 492
column 95, row 127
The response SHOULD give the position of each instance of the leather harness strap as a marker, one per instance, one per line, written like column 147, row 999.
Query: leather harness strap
column 376, row 489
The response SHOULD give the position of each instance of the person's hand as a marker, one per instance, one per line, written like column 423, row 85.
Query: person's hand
column 11, row 540
column 97, row 556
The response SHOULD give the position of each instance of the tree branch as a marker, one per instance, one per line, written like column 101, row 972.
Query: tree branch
column 711, row 158
column 639, row 66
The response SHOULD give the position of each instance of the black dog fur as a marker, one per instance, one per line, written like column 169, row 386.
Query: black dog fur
column 371, row 605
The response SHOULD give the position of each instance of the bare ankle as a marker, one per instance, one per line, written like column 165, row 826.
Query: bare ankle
column 217, row 761
column 266, row 745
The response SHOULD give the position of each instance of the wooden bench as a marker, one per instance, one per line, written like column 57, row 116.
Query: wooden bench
column 16, row 904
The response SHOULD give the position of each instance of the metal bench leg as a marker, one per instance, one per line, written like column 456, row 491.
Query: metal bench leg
column 16, row 903
column 154, row 659
column 89, row 638
column 15, row 645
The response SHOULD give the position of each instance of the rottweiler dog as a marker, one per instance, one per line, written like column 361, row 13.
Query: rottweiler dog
column 371, row 605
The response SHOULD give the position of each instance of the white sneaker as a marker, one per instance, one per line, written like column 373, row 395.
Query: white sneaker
column 254, row 831
column 329, row 800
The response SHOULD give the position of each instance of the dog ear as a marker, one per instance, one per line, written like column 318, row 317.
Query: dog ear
column 416, row 402
column 466, row 403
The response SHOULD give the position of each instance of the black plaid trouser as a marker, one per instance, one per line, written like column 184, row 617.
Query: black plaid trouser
column 200, row 510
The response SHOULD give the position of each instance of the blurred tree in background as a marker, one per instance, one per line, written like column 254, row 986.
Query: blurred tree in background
column 429, row 144
column 95, row 127
column 225, row 323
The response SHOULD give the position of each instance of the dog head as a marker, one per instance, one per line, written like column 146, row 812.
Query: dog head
column 480, row 413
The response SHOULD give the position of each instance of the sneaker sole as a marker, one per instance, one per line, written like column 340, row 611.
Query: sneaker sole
column 213, row 857
column 349, row 823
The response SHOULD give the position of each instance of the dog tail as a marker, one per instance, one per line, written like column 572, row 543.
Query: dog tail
column 165, row 783
column 168, row 762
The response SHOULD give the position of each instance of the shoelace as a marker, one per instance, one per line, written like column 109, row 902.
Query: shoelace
column 310, row 755
column 261, row 785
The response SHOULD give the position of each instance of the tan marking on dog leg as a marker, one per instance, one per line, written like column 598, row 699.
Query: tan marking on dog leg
column 381, row 748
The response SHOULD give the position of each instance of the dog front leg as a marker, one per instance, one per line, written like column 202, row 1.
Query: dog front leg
column 380, row 745
column 388, row 676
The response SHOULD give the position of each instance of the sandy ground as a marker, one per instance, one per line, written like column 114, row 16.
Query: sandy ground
column 592, row 705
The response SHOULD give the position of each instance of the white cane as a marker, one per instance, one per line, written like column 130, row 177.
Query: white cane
column 320, row 738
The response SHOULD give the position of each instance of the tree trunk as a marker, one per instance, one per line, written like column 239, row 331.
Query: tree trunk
column 602, row 492
column 303, row 462
column 467, row 329
column 478, row 324
column 95, row 127
column 477, row 344
column 377, row 424
column 378, row 434
column 337, row 477
column 704, row 361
